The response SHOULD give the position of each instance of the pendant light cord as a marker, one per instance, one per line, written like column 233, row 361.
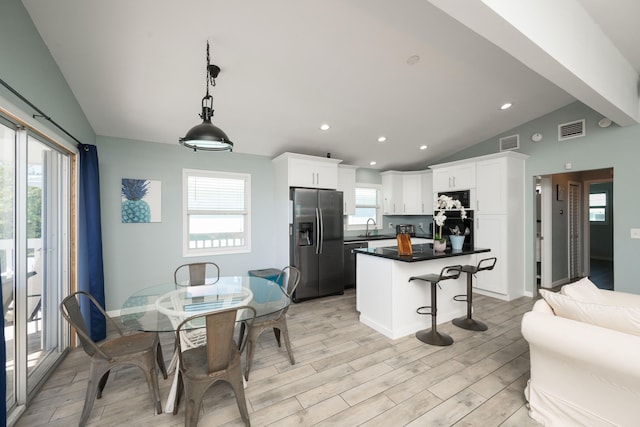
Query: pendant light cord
column 40, row 112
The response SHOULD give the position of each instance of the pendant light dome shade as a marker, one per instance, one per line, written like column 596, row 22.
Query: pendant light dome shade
column 206, row 136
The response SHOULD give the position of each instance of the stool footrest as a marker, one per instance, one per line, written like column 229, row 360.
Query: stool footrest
column 426, row 310
column 461, row 298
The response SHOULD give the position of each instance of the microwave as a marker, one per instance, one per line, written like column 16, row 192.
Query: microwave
column 464, row 196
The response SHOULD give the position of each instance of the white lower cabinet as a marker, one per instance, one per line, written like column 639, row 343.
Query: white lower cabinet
column 491, row 233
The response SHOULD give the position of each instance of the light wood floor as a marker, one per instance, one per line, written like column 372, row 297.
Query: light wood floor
column 345, row 374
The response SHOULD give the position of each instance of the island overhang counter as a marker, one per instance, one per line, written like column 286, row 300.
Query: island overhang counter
column 387, row 301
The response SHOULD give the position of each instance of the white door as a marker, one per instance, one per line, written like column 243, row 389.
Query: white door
column 34, row 256
column 575, row 228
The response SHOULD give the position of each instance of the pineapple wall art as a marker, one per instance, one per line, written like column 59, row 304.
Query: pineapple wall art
column 141, row 200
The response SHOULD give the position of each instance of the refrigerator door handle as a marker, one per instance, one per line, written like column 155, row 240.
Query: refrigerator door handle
column 321, row 237
column 318, row 235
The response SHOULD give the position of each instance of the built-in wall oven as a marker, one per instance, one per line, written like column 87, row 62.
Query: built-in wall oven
column 454, row 219
column 464, row 196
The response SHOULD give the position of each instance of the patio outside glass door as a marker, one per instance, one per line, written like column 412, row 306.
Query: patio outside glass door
column 34, row 256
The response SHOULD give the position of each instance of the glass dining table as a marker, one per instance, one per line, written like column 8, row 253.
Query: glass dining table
column 162, row 307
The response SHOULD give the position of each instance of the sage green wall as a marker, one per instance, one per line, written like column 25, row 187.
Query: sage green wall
column 139, row 255
column 368, row 176
column 27, row 66
column 615, row 147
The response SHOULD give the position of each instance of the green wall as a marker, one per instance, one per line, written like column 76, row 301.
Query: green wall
column 27, row 66
column 615, row 147
column 139, row 255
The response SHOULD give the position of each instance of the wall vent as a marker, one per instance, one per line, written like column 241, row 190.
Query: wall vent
column 571, row 130
column 510, row 142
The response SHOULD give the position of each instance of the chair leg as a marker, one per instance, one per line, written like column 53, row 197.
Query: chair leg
column 160, row 359
column 193, row 393
column 179, row 391
column 287, row 342
column 102, row 383
column 151, row 375
column 238, row 389
column 251, row 342
column 276, row 332
column 95, row 372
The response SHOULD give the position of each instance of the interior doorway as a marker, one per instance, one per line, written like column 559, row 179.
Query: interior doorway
column 574, row 228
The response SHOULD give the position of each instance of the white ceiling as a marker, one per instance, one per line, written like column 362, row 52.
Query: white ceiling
column 137, row 69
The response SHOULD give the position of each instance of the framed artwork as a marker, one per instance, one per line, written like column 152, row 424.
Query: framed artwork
column 141, row 200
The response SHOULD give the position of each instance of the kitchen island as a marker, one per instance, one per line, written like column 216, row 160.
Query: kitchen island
column 387, row 301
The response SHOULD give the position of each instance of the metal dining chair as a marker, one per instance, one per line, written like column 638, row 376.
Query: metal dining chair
column 218, row 360
column 278, row 321
column 197, row 273
column 140, row 349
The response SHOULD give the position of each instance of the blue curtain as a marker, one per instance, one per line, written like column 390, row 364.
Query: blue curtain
column 90, row 269
column 3, row 371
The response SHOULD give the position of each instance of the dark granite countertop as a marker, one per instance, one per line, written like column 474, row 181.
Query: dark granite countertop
column 350, row 239
column 422, row 252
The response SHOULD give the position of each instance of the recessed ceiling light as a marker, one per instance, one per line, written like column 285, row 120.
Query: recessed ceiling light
column 423, row 147
column 382, row 139
column 506, row 105
column 372, row 163
column 324, row 126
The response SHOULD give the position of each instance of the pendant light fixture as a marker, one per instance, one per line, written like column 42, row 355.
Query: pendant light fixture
column 206, row 136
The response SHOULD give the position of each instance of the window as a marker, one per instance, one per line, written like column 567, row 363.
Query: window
column 217, row 212
column 598, row 207
column 367, row 206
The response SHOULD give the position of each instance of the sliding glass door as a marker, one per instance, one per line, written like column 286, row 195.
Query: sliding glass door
column 34, row 255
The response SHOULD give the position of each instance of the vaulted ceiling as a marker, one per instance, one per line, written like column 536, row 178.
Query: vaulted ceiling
column 415, row 71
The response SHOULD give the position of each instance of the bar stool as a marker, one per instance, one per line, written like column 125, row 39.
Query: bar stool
column 432, row 336
column 467, row 322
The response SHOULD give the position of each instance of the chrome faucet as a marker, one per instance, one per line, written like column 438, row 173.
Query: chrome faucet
column 366, row 233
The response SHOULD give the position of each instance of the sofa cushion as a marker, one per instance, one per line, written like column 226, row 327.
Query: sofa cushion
column 583, row 290
column 623, row 319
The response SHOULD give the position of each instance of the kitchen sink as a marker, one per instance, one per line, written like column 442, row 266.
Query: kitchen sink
column 377, row 236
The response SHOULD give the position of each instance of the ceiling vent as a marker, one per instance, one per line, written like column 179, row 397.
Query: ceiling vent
column 571, row 130
column 510, row 142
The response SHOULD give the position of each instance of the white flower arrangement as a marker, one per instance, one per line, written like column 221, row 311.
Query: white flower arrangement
column 443, row 204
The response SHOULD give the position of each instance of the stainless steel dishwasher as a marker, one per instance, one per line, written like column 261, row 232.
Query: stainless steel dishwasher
column 350, row 262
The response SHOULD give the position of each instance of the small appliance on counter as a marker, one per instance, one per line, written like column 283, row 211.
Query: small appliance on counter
column 409, row 229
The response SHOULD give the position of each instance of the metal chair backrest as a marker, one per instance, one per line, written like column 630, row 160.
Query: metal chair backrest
column 197, row 273
column 70, row 309
column 486, row 262
column 446, row 272
column 220, row 326
column 292, row 276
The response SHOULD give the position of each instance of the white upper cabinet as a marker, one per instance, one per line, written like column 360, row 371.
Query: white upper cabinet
column 448, row 177
column 310, row 171
column 499, row 182
column 411, row 193
column 347, row 184
column 407, row 193
column 427, row 193
column 491, row 190
column 392, row 193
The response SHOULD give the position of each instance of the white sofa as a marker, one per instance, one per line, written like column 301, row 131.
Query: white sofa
column 585, row 357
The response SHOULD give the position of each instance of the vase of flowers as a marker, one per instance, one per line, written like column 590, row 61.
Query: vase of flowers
column 445, row 203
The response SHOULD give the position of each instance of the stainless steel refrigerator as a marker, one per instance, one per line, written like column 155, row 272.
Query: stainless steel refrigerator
column 316, row 239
